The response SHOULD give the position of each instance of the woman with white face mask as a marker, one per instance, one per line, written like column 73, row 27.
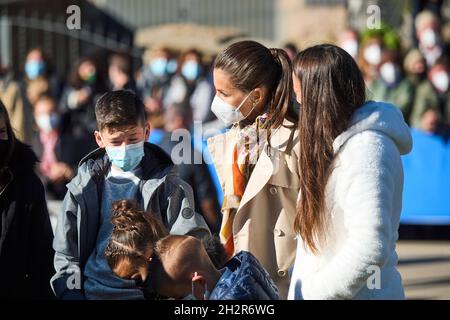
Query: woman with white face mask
column 255, row 160
column 392, row 86
column 433, row 94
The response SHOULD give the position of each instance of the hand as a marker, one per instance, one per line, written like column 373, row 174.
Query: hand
column 429, row 121
column 83, row 96
column 60, row 172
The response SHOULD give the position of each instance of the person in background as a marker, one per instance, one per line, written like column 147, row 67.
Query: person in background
column 37, row 79
column 291, row 50
column 11, row 95
column 349, row 41
column 415, row 67
column 190, row 163
column 54, row 173
column 154, row 77
column 190, row 86
column 120, row 72
column 431, row 111
column 26, row 254
column 392, row 86
column 369, row 59
column 428, row 32
column 85, row 86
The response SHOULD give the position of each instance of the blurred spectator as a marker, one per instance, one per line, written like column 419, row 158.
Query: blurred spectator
column 370, row 59
column 55, row 174
column 38, row 78
column 190, row 86
column 154, row 78
column 121, row 73
column 374, row 44
column 349, row 41
column 11, row 96
column 392, row 85
column 78, row 123
column 291, row 50
column 419, row 6
column 431, row 111
column 190, row 162
column 428, row 32
column 415, row 67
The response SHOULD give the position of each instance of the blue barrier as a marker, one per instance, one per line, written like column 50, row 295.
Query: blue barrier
column 426, row 194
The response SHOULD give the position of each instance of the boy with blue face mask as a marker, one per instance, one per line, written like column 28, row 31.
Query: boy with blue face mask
column 124, row 167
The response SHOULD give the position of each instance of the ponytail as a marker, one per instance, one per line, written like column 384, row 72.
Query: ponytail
column 282, row 98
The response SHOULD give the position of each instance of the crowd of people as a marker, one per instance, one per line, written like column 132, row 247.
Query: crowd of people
column 308, row 164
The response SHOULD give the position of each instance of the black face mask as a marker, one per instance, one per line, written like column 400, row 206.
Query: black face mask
column 4, row 146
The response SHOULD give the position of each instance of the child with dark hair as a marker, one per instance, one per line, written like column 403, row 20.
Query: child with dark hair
column 181, row 267
column 124, row 167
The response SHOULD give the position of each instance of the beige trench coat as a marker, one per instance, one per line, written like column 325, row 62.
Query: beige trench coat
column 265, row 218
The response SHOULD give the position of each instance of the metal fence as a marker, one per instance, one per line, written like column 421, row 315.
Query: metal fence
column 40, row 23
column 256, row 18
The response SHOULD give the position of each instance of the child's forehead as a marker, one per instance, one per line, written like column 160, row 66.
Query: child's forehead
column 121, row 131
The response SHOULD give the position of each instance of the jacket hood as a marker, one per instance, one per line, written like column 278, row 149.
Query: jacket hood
column 382, row 117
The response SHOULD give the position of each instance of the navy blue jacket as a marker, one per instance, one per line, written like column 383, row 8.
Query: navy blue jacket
column 243, row 278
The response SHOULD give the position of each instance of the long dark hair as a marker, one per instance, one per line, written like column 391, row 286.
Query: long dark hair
column 250, row 64
column 133, row 233
column 4, row 158
column 332, row 88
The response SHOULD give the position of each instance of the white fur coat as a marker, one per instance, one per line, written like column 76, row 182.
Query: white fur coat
column 364, row 201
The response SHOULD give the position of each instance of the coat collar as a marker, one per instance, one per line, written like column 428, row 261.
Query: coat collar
column 283, row 141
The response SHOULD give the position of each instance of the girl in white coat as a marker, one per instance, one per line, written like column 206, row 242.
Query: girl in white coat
column 351, row 183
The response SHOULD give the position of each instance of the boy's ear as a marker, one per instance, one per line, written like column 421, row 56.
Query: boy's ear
column 98, row 139
column 147, row 131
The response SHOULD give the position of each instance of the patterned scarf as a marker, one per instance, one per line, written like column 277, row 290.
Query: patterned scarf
column 246, row 152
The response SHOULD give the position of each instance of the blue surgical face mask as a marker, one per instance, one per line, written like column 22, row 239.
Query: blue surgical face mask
column 34, row 68
column 126, row 157
column 191, row 70
column 158, row 66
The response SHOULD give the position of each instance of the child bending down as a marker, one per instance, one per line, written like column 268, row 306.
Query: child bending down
column 180, row 266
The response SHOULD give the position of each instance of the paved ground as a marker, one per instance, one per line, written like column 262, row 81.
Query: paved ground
column 425, row 268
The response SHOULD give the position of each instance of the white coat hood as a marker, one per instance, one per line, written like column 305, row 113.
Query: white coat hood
column 382, row 117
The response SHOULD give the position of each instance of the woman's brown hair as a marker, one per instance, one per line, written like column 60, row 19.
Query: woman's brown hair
column 250, row 65
column 332, row 88
column 4, row 158
column 134, row 231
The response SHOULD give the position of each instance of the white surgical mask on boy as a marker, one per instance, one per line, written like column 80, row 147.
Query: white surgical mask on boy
column 226, row 112
column 126, row 157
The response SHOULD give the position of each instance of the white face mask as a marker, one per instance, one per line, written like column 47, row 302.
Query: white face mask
column 351, row 46
column 389, row 73
column 47, row 122
column 428, row 38
column 372, row 54
column 441, row 81
column 226, row 112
